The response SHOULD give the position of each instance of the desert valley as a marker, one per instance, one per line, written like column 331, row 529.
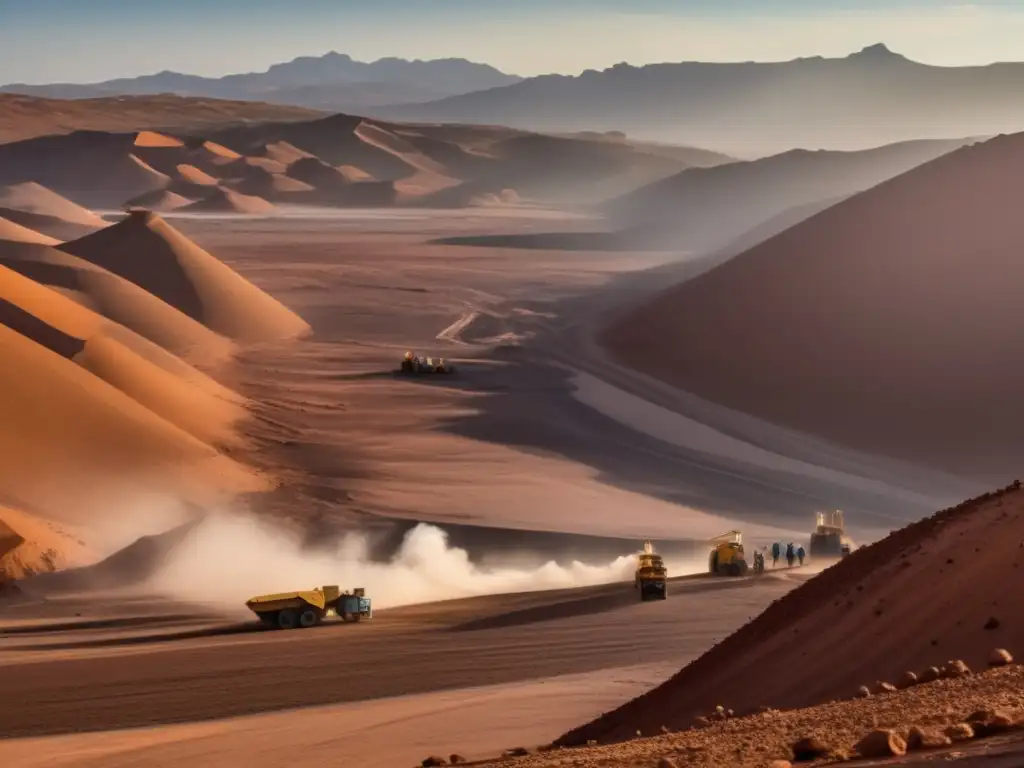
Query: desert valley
column 644, row 324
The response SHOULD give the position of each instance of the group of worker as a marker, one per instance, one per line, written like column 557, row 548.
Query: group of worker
column 791, row 554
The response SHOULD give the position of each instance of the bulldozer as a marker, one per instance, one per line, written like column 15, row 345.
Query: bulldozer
column 651, row 575
column 727, row 557
column 829, row 538
column 416, row 364
column 288, row 610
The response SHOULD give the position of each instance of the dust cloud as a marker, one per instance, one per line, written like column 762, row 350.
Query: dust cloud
column 230, row 557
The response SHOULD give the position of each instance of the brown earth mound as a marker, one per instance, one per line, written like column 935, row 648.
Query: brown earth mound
column 158, row 200
column 145, row 372
column 945, row 588
column 223, row 200
column 885, row 322
column 118, row 300
column 149, row 252
column 16, row 233
column 35, row 198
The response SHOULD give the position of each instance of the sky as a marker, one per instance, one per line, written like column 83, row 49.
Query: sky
column 90, row 40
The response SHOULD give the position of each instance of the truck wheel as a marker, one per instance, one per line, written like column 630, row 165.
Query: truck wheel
column 268, row 617
column 309, row 617
column 288, row 619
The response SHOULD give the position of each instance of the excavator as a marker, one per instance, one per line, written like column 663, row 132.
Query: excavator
column 727, row 557
column 651, row 575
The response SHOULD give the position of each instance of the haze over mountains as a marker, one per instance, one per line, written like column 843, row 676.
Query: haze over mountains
column 333, row 82
column 869, row 98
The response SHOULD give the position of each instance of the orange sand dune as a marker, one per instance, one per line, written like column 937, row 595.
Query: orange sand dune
column 318, row 174
column 63, row 422
column 228, row 201
column 352, row 173
column 192, row 175
column 149, row 252
column 428, row 175
column 143, row 371
column 19, row 234
column 270, row 186
column 31, row 545
column 51, row 226
column 244, row 167
column 886, row 322
column 119, row 300
column 35, row 198
column 283, row 152
column 158, row 200
column 154, row 139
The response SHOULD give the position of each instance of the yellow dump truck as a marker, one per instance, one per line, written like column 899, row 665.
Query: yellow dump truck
column 727, row 557
column 288, row 610
column 651, row 575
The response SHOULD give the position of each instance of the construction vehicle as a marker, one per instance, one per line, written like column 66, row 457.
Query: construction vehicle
column 415, row 364
column 727, row 557
column 651, row 575
column 288, row 610
column 829, row 538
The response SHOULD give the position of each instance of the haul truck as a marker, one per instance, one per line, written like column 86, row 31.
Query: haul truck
column 651, row 574
column 287, row 610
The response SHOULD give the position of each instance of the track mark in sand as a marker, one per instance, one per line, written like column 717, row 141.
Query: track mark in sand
column 454, row 331
column 97, row 624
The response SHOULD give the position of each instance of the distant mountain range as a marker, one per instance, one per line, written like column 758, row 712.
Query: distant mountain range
column 747, row 109
column 867, row 99
column 334, row 82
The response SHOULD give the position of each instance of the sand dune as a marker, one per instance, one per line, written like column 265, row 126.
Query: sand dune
column 18, row 234
column 91, row 168
column 140, row 369
column 861, row 621
column 283, row 152
column 317, row 173
column 35, row 198
column 30, row 545
column 119, row 300
column 192, row 175
column 154, row 139
column 158, row 200
column 225, row 200
column 894, row 310
column 271, row 186
column 62, row 421
column 188, row 278
column 706, row 208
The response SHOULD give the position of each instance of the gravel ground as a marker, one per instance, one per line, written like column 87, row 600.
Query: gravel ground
column 758, row 740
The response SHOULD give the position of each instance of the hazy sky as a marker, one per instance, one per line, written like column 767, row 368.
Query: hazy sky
column 89, row 40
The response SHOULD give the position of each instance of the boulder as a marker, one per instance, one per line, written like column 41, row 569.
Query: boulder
column 926, row 738
column 999, row 657
column 960, row 732
column 881, row 743
column 809, row 748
